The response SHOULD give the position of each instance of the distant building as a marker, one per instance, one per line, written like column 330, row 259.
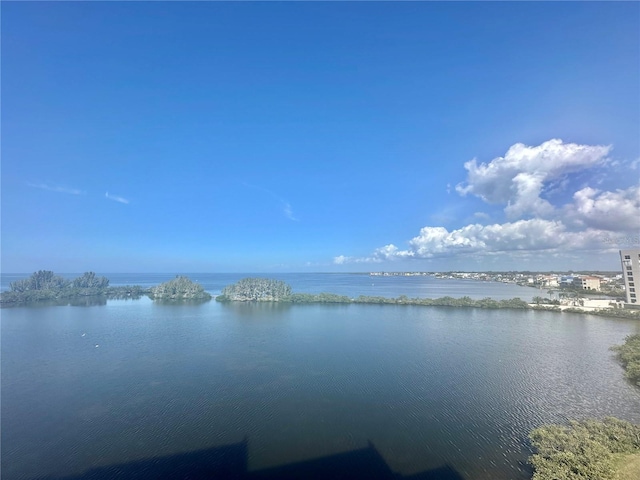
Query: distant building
column 631, row 272
column 566, row 279
column 587, row 282
column 549, row 281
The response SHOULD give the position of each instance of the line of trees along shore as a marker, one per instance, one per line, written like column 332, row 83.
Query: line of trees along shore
column 267, row 290
column 45, row 285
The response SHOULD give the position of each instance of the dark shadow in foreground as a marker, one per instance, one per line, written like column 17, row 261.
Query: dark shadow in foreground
column 229, row 462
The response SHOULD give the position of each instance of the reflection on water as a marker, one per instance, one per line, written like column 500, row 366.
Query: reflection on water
column 181, row 302
column 88, row 301
column 428, row 387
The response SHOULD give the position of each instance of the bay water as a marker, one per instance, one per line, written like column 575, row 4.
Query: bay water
column 433, row 389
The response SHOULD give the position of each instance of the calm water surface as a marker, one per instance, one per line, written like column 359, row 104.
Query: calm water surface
column 427, row 386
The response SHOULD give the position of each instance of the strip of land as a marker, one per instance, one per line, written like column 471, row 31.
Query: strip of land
column 45, row 286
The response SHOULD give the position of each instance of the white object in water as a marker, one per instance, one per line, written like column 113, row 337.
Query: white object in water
column 97, row 345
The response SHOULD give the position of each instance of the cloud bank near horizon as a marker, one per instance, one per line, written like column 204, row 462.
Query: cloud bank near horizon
column 535, row 226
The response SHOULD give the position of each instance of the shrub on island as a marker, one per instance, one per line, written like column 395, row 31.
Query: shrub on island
column 256, row 290
column 180, row 288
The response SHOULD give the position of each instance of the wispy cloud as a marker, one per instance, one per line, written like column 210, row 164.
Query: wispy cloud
column 56, row 188
column 288, row 212
column 287, row 209
column 116, row 198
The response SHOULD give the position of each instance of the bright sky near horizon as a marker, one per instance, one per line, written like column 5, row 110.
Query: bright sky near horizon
column 360, row 136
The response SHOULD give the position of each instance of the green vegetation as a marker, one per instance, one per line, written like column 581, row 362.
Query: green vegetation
column 42, row 280
column 545, row 301
column 446, row 302
column 586, row 450
column 629, row 356
column 256, row 290
column 180, row 288
column 266, row 290
column 45, row 285
column 316, row 298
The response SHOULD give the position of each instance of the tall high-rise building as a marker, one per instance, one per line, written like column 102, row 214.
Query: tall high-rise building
column 631, row 273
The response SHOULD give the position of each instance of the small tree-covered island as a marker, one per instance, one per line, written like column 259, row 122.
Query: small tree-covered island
column 44, row 285
column 180, row 288
column 256, row 290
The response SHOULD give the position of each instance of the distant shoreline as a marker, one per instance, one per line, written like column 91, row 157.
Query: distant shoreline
column 451, row 302
column 44, row 287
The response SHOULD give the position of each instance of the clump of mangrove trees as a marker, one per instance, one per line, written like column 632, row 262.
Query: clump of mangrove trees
column 44, row 285
column 256, row 290
column 180, row 288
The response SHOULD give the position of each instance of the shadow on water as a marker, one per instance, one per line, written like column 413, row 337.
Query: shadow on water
column 229, row 462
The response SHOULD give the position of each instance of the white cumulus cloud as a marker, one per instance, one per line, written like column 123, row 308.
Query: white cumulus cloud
column 518, row 178
column 612, row 211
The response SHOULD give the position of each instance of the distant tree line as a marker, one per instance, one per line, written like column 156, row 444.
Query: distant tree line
column 469, row 302
column 267, row 290
column 316, row 298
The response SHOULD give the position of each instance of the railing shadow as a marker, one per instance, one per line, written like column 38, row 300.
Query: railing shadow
column 229, row 462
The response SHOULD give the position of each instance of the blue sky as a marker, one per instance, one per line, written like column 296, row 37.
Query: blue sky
column 219, row 137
